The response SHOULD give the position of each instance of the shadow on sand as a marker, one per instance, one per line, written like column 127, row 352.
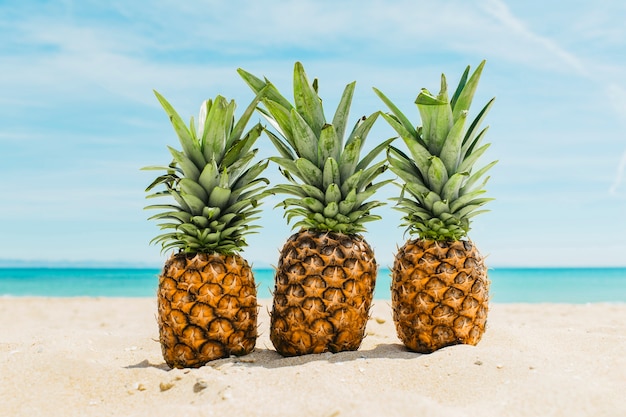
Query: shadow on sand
column 268, row 358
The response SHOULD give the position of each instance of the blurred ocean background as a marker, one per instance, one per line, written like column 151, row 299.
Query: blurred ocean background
column 508, row 285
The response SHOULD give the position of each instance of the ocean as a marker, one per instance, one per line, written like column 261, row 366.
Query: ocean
column 508, row 285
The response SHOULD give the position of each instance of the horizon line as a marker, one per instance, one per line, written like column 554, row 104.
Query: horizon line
column 61, row 264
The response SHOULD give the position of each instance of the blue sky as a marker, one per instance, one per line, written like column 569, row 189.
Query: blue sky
column 78, row 117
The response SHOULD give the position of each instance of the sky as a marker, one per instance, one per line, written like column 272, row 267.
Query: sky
column 78, row 117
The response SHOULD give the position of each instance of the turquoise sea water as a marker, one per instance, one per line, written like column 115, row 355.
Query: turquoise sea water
column 508, row 285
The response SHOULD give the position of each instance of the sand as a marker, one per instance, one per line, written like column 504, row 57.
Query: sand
column 100, row 357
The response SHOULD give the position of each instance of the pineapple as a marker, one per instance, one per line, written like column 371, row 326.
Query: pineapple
column 207, row 306
column 440, row 288
column 326, row 272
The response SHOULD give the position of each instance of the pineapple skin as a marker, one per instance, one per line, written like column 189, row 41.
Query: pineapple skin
column 439, row 294
column 207, row 308
column 324, row 286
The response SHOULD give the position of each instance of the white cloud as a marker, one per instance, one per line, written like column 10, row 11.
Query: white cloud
column 187, row 46
column 107, row 57
column 525, row 44
column 617, row 96
column 123, row 54
column 620, row 177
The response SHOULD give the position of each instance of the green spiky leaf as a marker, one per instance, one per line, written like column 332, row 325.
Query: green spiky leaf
column 319, row 165
column 440, row 190
column 213, row 181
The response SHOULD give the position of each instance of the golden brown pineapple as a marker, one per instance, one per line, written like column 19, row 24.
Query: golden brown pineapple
column 207, row 296
column 207, row 308
column 326, row 271
column 324, row 287
column 440, row 294
column 439, row 280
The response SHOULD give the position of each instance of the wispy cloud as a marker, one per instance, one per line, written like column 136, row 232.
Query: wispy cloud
column 618, row 182
column 537, row 49
column 78, row 119
column 140, row 46
column 617, row 96
column 608, row 78
column 65, row 50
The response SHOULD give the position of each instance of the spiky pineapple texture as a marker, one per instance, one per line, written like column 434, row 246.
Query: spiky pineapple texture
column 216, row 191
column 439, row 294
column 441, row 191
column 207, row 308
column 331, row 185
column 324, row 288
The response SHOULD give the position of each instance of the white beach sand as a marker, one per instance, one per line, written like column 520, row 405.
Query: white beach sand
column 100, row 357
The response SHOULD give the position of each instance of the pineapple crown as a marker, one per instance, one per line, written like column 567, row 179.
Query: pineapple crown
column 440, row 191
column 331, row 185
column 216, row 191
